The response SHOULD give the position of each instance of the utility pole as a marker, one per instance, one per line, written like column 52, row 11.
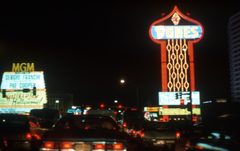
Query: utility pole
column 190, row 95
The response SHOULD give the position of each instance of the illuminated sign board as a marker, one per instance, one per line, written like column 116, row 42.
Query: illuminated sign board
column 151, row 109
column 23, row 67
column 22, row 80
column 19, row 98
column 178, row 111
column 18, row 88
column 168, row 98
column 176, row 32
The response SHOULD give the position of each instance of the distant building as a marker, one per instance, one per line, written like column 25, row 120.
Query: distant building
column 234, row 55
column 61, row 101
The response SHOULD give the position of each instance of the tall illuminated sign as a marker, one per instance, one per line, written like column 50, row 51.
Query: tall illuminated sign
column 23, row 89
column 176, row 33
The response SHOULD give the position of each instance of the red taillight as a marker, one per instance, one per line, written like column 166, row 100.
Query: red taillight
column 142, row 134
column 5, row 143
column 48, row 145
column 134, row 132
column 178, row 134
column 118, row 146
column 99, row 146
column 124, row 124
column 29, row 136
column 37, row 136
column 199, row 147
column 66, row 145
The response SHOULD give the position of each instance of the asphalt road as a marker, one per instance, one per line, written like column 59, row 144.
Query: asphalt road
column 180, row 145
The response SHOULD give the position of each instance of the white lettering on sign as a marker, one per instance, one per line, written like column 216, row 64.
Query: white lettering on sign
column 176, row 32
column 22, row 80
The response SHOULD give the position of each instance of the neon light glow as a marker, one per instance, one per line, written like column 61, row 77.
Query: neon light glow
column 17, row 100
column 151, row 109
column 168, row 98
column 22, row 80
column 178, row 111
column 207, row 146
column 176, row 45
column 176, row 32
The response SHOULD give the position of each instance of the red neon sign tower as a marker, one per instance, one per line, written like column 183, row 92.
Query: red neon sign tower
column 176, row 34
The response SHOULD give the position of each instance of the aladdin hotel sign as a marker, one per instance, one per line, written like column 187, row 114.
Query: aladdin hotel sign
column 17, row 89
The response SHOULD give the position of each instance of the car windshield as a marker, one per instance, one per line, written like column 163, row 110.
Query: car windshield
column 156, row 126
column 86, row 122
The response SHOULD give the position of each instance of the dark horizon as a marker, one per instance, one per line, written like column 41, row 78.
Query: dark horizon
column 86, row 48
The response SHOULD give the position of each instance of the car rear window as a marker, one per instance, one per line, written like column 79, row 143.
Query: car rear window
column 85, row 122
column 156, row 126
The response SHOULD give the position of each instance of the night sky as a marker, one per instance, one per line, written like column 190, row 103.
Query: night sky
column 85, row 48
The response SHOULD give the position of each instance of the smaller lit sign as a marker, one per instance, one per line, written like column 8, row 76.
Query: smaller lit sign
column 168, row 98
column 151, row 109
column 178, row 111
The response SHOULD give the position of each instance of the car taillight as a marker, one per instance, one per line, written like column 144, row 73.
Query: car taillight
column 178, row 134
column 142, row 134
column 199, row 147
column 99, row 146
column 5, row 143
column 37, row 136
column 48, row 145
column 118, row 146
column 66, row 145
column 124, row 124
column 29, row 136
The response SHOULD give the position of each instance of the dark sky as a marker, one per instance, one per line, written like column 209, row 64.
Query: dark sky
column 86, row 47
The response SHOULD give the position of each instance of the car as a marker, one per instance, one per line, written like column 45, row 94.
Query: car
column 158, row 134
column 84, row 132
column 15, row 130
column 222, row 134
column 3, row 144
column 47, row 117
column 36, row 128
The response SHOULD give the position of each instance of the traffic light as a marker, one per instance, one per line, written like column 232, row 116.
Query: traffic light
column 34, row 90
column 176, row 95
column 194, row 117
column 182, row 102
column 102, row 105
column 180, row 94
column 120, row 106
column 3, row 93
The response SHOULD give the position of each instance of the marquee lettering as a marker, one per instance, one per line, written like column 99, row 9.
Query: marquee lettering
column 23, row 67
column 176, row 32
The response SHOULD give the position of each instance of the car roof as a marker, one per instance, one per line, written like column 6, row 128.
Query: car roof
column 13, row 116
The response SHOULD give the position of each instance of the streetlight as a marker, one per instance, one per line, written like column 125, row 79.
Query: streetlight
column 123, row 81
column 57, row 102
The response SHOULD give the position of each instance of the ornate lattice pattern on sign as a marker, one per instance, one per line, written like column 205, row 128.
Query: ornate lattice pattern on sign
column 177, row 65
